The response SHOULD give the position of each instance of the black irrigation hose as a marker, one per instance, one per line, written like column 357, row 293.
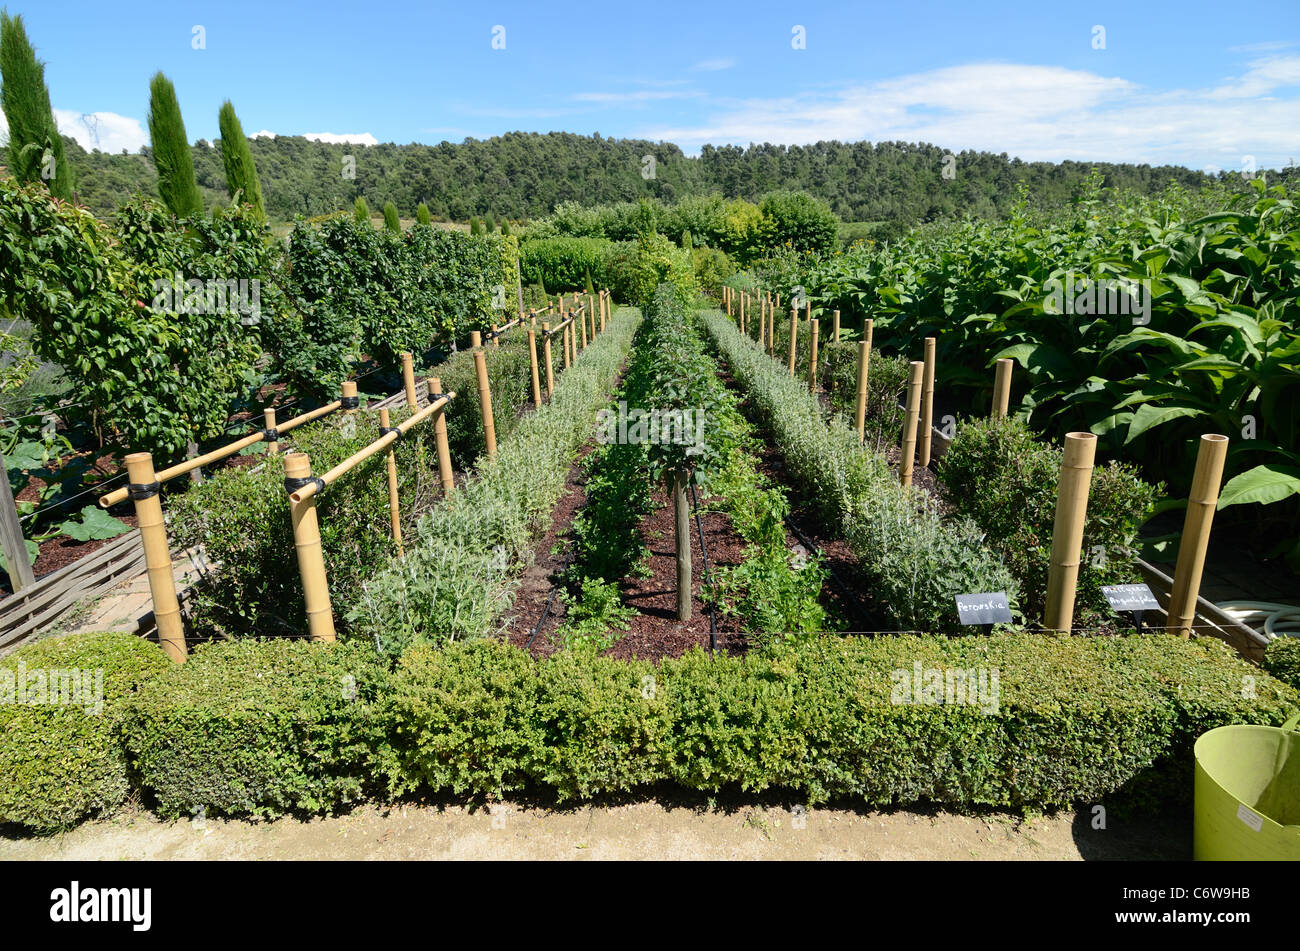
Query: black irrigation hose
column 546, row 611
column 704, row 551
column 848, row 592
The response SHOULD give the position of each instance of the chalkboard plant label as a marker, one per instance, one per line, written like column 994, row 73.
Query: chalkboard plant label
column 1126, row 598
column 987, row 608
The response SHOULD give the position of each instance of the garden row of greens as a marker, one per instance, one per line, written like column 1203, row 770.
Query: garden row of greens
column 268, row 728
column 1213, row 344
column 241, row 519
column 995, row 473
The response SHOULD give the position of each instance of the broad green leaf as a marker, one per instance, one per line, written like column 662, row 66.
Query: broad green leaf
column 1148, row 416
column 1270, row 482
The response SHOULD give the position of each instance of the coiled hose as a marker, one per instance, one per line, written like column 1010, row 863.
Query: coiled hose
column 1280, row 620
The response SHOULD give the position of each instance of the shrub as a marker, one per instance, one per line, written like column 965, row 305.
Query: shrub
column 63, row 761
column 798, row 220
column 562, row 264
column 261, row 728
column 999, row 475
column 1282, row 660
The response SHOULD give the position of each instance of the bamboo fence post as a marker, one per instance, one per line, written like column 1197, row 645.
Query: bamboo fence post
column 778, row 300
column 835, row 326
column 311, row 560
column 394, row 512
column 682, row 523
column 812, row 362
column 268, row 421
column 475, row 340
column 762, row 324
column 1201, row 504
column 546, row 353
column 532, row 358
column 445, row 474
column 864, row 365
column 604, row 309
column 582, row 317
column 157, row 555
column 11, row 537
column 726, row 297
column 771, row 336
column 743, row 298
column 1067, row 530
column 564, row 343
column 807, row 310
column 794, row 333
column 927, row 402
column 1002, row 387
column 485, row 402
column 408, row 380
column 910, row 421
column 495, row 341
column 349, row 393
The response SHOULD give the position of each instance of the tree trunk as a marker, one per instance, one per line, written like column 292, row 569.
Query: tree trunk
column 682, row 515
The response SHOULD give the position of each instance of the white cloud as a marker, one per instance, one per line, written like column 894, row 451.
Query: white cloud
column 106, row 131
column 1038, row 113
column 333, row 138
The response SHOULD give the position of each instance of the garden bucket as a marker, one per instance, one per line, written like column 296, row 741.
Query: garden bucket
column 1248, row 793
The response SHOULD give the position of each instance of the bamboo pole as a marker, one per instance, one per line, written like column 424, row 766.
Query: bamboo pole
column 743, row 297
column 311, row 560
column 440, row 440
column 495, row 341
column 408, row 380
column 762, row 324
column 910, row 421
column 485, row 402
column 927, row 402
column 727, row 299
column 394, row 513
column 157, row 555
column 835, row 326
column 604, row 309
column 682, row 524
column 582, row 317
column 13, row 547
column 1195, row 541
column 864, row 366
column 807, row 310
column 794, row 333
column 349, row 392
column 564, row 341
column 532, row 359
column 1002, row 387
column 1067, row 530
column 475, row 340
column 268, row 420
column 546, row 353
column 812, row 362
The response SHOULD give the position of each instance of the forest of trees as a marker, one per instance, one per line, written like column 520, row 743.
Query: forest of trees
column 525, row 175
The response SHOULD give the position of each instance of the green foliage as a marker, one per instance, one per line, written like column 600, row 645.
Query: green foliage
column 505, row 227
column 457, row 575
column 171, row 151
column 798, row 220
column 1282, row 660
column 563, row 264
column 422, row 214
column 35, row 150
column 391, row 219
column 712, row 269
column 261, row 729
column 361, row 212
column 475, row 226
column 595, row 617
column 237, row 158
column 998, row 475
column 65, row 760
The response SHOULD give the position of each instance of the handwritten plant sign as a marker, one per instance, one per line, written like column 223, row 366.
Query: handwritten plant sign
column 986, row 609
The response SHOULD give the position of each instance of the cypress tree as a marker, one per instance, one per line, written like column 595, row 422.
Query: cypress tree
column 475, row 226
column 422, row 214
column 505, row 227
column 171, row 150
column 392, row 221
column 26, row 102
column 237, row 157
column 361, row 211
column 491, row 222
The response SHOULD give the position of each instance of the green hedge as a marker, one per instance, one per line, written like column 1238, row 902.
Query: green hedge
column 915, row 559
column 264, row 728
column 1282, row 659
column 59, row 762
column 458, row 572
column 564, row 264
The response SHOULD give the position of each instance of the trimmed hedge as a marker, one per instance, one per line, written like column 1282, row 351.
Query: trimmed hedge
column 262, row 728
column 916, row 559
column 1282, row 659
column 63, row 761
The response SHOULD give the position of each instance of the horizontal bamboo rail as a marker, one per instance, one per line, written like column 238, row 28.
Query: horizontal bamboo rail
column 166, row 475
column 378, row 446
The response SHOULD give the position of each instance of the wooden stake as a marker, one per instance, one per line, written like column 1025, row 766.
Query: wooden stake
column 532, row 358
column 762, row 324
column 546, row 353
column 812, row 362
column 1067, row 530
column 1195, row 541
column 582, row 317
column 794, row 333
column 349, row 392
column 835, row 326
column 727, row 299
column 564, row 341
column 864, row 363
column 485, row 401
column 475, row 340
column 743, row 297
column 11, row 537
column 1002, row 387
column 440, row 440
column 910, row 422
column 682, row 521
column 408, row 380
column 394, row 513
column 311, row 561
column 268, row 421
column 495, row 341
column 927, row 402
column 157, row 556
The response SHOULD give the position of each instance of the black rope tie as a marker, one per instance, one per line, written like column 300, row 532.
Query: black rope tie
column 271, row 435
column 139, row 491
column 349, row 402
column 385, row 430
column 434, row 397
column 293, row 485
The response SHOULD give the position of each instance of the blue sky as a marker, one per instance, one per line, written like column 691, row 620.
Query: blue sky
column 1191, row 83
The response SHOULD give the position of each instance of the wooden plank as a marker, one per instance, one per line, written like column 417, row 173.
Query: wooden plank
column 17, row 566
column 1245, row 640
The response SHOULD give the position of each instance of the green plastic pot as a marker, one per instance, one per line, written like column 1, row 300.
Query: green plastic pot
column 1248, row 794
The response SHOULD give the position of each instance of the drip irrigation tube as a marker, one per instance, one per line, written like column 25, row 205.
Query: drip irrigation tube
column 843, row 586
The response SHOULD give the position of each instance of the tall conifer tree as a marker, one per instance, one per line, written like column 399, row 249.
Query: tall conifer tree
column 171, row 150
column 26, row 101
column 237, row 157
